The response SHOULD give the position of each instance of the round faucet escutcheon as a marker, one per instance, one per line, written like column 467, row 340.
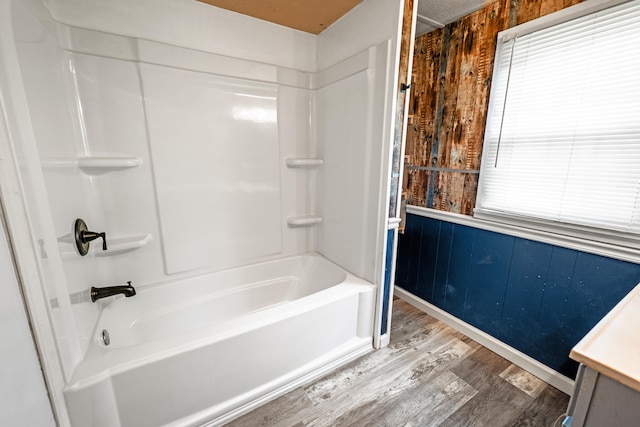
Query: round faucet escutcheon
column 83, row 237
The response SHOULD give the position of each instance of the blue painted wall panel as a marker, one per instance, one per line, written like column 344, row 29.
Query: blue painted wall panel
column 538, row 298
column 523, row 297
column 462, row 245
column 429, row 256
column 402, row 259
column 553, row 343
column 490, row 264
column 441, row 273
column 558, row 287
column 408, row 258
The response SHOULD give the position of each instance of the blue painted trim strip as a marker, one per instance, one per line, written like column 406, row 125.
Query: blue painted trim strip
column 387, row 283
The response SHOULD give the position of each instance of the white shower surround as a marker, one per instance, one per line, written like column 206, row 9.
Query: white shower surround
column 87, row 61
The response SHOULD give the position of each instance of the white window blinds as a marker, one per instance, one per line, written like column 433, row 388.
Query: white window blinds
column 562, row 143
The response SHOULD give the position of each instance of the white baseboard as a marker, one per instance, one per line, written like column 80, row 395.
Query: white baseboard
column 516, row 357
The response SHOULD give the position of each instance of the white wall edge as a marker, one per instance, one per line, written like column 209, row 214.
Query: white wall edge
column 407, row 101
column 22, row 247
column 392, row 88
column 514, row 356
column 598, row 248
column 384, row 55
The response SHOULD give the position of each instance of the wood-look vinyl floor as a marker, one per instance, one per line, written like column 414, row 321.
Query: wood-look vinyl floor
column 429, row 375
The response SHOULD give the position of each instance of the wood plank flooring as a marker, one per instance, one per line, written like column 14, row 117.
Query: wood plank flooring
column 429, row 375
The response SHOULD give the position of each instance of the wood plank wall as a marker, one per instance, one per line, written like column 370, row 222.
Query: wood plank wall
column 449, row 97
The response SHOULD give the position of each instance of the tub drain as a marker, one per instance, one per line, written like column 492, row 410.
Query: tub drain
column 104, row 337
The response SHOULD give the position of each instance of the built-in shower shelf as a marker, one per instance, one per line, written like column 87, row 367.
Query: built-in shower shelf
column 119, row 245
column 115, row 245
column 303, row 163
column 94, row 165
column 304, row 220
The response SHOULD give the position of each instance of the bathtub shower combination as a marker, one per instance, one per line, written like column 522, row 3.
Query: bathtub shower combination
column 211, row 350
column 232, row 180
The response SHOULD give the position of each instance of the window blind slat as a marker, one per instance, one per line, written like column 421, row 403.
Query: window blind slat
column 563, row 134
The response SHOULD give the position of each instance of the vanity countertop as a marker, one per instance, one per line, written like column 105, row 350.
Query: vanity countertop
column 612, row 347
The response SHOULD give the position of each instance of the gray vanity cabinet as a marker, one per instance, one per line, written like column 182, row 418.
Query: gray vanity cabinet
column 599, row 401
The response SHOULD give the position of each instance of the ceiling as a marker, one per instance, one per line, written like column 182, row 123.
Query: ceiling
column 433, row 14
column 314, row 16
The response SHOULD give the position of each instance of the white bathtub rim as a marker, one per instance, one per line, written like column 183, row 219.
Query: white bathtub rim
column 198, row 274
column 101, row 363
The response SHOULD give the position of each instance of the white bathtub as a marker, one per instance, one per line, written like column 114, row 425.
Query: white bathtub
column 203, row 351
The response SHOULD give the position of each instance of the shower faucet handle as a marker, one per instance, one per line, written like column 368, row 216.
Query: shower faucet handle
column 83, row 236
column 88, row 236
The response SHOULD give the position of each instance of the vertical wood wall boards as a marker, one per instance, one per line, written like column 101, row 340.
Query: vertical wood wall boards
column 449, row 99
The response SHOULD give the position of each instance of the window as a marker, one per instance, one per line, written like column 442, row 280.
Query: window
column 562, row 144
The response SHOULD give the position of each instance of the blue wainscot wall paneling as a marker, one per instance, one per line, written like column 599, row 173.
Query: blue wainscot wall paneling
column 538, row 298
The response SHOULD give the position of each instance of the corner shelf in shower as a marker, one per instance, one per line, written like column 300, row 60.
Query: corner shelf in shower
column 95, row 165
column 304, row 220
column 303, row 163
